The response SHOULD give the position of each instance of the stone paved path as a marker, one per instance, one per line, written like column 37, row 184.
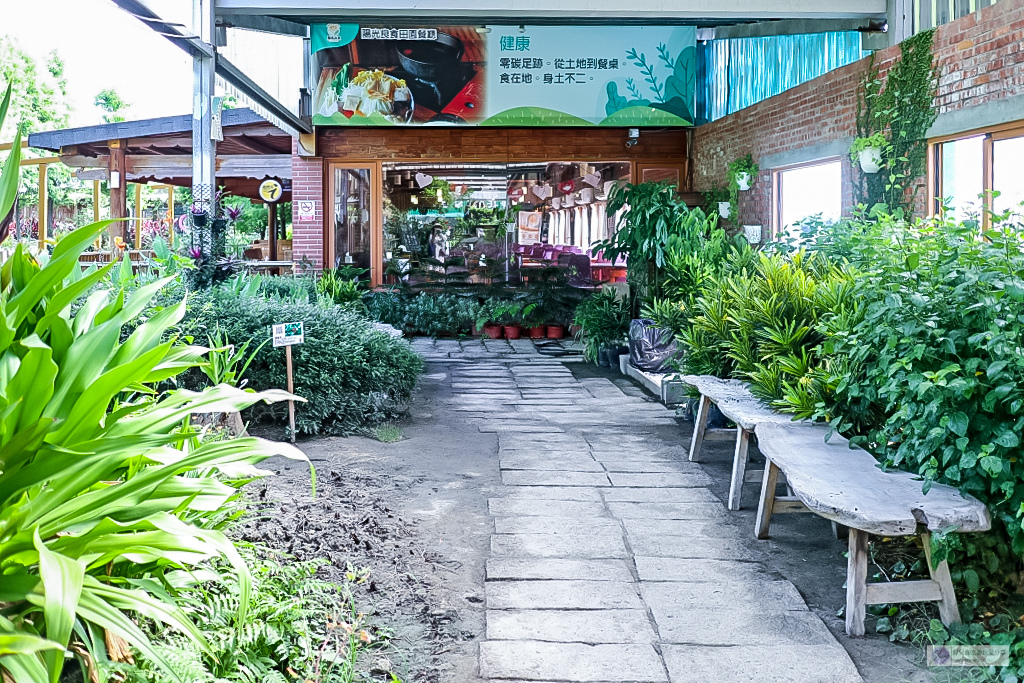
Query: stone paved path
column 609, row 560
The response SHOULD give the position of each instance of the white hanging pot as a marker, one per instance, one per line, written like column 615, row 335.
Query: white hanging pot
column 724, row 209
column 870, row 159
column 752, row 233
column 743, row 180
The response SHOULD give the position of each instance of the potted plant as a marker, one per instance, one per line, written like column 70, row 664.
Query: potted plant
column 868, row 151
column 743, row 172
column 533, row 321
column 511, row 314
column 555, row 330
column 752, row 233
column 199, row 215
column 716, row 200
column 604, row 325
column 487, row 321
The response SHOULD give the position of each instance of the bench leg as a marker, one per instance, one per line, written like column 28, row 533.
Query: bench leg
column 700, row 425
column 739, row 467
column 767, row 502
column 948, row 610
column 857, row 582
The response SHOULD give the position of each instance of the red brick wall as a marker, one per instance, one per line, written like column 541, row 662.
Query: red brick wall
column 307, row 183
column 980, row 57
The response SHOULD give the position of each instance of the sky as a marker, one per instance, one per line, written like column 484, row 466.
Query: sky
column 104, row 47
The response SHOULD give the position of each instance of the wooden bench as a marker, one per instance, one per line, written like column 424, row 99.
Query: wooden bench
column 846, row 486
column 735, row 401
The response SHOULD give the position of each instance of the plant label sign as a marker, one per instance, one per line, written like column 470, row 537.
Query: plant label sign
column 288, row 334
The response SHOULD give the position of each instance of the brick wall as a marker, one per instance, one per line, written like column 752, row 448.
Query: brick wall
column 980, row 58
column 308, row 184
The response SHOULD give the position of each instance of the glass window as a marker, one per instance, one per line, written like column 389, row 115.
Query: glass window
column 1008, row 174
column 810, row 191
column 352, row 217
column 963, row 176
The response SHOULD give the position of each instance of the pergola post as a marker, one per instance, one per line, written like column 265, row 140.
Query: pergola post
column 138, row 216
column 117, row 182
column 96, row 207
column 204, row 148
column 170, row 216
column 43, row 215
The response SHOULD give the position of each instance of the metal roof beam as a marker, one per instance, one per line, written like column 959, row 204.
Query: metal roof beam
column 225, row 69
column 263, row 24
column 515, row 11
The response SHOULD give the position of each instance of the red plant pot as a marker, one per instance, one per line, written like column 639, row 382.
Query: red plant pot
column 513, row 331
column 556, row 331
column 538, row 332
column 493, row 331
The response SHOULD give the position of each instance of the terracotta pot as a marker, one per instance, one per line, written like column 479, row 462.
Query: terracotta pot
column 556, row 331
column 538, row 332
column 493, row 331
column 513, row 331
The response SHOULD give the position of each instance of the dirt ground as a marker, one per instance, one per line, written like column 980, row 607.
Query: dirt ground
column 415, row 514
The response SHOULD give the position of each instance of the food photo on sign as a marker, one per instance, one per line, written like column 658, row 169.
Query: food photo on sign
column 504, row 75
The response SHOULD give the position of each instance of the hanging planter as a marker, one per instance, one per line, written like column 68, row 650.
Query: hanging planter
column 743, row 181
column 752, row 233
column 724, row 209
column 869, row 151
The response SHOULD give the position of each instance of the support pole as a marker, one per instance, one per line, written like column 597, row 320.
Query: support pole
column 117, row 179
column 272, row 229
column 138, row 216
column 96, row 207
column 291, row 390
column 204, row 148
column 170, row 216
column 43, row 216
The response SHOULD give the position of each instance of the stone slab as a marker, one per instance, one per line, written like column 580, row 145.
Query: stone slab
column 783, row 664
column 598, row 544
column 760, row 597
column 740, row 626
column 533, row 660
column 535, row 478
column 556, row 462
column 571, row 626
column 578, row 595
column 544, row 508
column 658, row 545
column 572, row 526
column 698, row 570
column 634, row 510
column 660, row 495
column 556, row 493
column 535, row 568
column 693, row 478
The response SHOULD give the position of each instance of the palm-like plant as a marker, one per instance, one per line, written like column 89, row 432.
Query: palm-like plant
column 98, row 480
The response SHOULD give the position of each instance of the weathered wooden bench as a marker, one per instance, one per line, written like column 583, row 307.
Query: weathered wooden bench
column 846, row 486
column 736, row 402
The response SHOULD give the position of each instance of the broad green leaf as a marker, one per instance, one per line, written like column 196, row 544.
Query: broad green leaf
column 62, row 580
column 958, row 423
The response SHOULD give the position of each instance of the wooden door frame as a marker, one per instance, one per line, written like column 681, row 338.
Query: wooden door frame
column 376, row 214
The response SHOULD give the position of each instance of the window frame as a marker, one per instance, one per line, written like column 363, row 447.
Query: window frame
column 990, row 135
column 777, row 227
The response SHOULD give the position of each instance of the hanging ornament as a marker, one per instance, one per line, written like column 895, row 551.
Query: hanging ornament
column 422, row 179
column 567, row 186
column 592, row 179
column 542, row 191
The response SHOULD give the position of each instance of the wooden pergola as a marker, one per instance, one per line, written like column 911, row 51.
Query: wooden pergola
column 158, row 152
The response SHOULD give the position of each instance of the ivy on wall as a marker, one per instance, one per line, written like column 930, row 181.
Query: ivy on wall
column 902, row 108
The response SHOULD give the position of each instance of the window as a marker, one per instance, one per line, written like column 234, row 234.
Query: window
column 967, row 171
column 932, row 13
column 807, row 191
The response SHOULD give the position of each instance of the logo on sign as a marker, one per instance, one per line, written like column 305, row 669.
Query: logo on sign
column 271, row 190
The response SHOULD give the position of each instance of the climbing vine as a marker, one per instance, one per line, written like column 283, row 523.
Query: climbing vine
column 902, row 108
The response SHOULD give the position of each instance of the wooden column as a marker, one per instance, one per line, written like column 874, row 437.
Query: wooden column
column 170, row 216
column 43, row 215
column 272, row 229
column 96, row 207
column 117, row 180
column 138, row 216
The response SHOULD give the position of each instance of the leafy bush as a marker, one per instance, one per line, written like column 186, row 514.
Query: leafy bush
column 102, row 484
column 296, row 626
column 350, row 373
column 604, row 320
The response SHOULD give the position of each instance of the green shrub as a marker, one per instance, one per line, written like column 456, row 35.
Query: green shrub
column 604, row 320
column 103, row 486
column 350, row 373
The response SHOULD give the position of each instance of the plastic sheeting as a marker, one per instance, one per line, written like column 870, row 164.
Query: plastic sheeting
column 739, row 72
column 651, row 348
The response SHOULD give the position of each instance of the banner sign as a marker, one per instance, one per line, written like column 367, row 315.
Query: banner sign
column 504, row 75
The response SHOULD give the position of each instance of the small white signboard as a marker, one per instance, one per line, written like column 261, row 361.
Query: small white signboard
column 307, row 210
column 288, row 334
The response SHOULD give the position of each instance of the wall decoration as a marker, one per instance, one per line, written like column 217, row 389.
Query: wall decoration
column 422, row 179
column 509, row 76
column 566, row 187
